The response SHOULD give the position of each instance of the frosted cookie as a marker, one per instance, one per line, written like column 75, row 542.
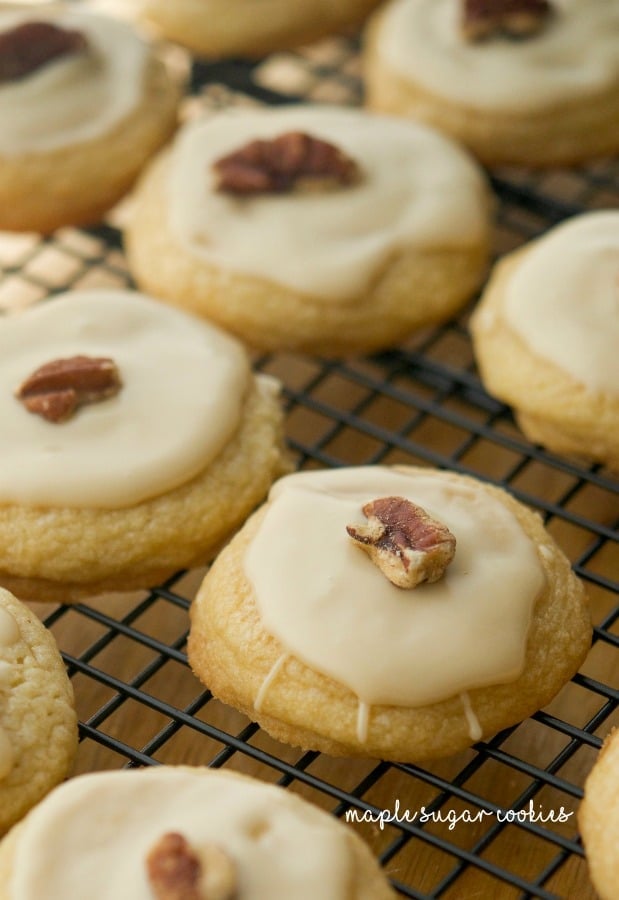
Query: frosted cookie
column 532, row 82
column 135, row 440
column 315, row 228
column 38, row 727
column 176, row 832
column 461, row 618
column 245, row 28
column 598, row 818
column 83, row 103
column 546, row 335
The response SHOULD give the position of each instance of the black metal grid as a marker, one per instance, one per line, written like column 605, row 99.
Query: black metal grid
column 422, row 403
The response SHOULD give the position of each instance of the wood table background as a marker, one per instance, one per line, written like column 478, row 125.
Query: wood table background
column 139, row 703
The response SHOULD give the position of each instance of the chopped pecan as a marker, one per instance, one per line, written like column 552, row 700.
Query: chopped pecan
column 56, row 389
column 406, row 544
column 32, row 45
column 174, row 871
column 516, row 18
column 177, row 872
column 292, row 161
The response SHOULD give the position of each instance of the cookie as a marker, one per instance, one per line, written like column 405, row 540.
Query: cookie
column 533, row 82
column 237, row 28
column 136, row 439
column 598, row 818
column 317, row 641
column 38, row 727
column 184, row 832
column 315, row 229
column 84, row 102
column 546, row 334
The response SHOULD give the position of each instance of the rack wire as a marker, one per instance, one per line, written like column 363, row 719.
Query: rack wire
column 422, row 403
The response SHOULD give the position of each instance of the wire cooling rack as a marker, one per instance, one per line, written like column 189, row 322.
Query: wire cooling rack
column 423, row 403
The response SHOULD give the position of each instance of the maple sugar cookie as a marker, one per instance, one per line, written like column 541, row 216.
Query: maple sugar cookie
column 546, row 334
column 136, row 439
column 38, row 726
column 398, row 612
column 248, row 28
column 315, row 229
column 598, row 818
column 83, row 103
column 172, row 832
column 533, row 82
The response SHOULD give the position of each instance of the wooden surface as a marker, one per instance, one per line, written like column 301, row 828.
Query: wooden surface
column 328, row 419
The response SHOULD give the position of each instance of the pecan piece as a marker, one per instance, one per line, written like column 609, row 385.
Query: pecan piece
column 56, row 389
column 176, row 872
column 32, row 45
column 406, row 543
column 516, row 18
column 219, row 878
column 292, row 161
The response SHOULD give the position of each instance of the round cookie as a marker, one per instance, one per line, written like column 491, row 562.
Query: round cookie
column 598, row 818
column 83, row 103
column 242, row 28
column 316, row 229
column 178, row 445
column 38, row 726
column 546, row 334
column 169, row 827
column 324, row 652
column 517, row 81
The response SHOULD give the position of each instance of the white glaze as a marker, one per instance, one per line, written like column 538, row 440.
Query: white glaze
column 268, row 681
column 387, row 645
column 475, row 729
column 184, row 384
column 418, row 190
column 9, row 629
column 575, row 56
column 563, row 299
column 363, row 721
column 97, row 830
column 74, row 99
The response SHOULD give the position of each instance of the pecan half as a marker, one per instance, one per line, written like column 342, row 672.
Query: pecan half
column 175, row 871
column 56, row 389
column 32, row 45
column 292, row 161
column 406, row 543
column 516, row 18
